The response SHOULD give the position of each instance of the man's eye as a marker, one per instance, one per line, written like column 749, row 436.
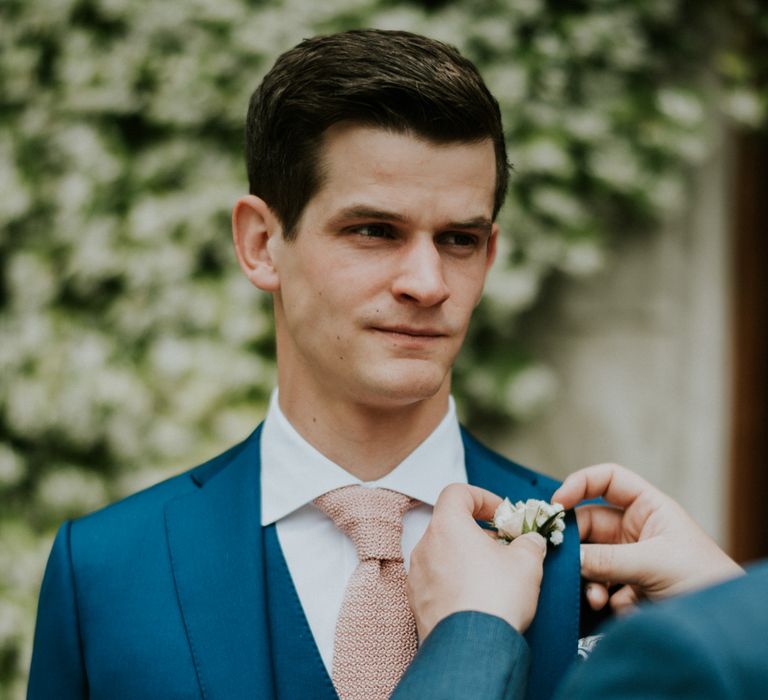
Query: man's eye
column 459, row 239
column 375, row 230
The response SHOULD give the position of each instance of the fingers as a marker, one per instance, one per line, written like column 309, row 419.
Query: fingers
column 618, row 485
column 597, row 595
column 623, row 600
column 460, row 502
column 628, row 563
column 600, row 524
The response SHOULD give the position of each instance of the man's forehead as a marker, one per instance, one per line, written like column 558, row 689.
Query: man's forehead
column 363, row 132
column 358, row 155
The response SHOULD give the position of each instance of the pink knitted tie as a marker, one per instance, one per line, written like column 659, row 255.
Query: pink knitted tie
column 375, row 633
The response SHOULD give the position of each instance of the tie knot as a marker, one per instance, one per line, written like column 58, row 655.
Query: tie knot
column 371, row 518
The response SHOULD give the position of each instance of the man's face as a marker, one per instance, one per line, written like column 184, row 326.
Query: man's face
column 389, row 260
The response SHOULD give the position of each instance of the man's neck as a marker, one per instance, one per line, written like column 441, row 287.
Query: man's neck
column 367, row 441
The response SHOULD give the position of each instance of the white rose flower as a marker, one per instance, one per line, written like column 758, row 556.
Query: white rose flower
column 511, row 521
column 532, row 510
column 545, row 513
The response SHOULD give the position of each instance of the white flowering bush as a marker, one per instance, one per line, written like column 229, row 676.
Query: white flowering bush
column 130, row 344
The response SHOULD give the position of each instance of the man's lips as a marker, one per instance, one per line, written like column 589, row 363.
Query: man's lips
column 411, row 331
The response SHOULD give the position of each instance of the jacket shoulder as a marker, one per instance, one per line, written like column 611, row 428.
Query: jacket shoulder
column 145, row 508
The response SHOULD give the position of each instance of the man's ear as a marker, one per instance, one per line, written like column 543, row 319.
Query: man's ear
column 490, row 253
column 253, row 225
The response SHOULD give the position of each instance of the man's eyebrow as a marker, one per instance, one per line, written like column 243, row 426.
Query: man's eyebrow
column 363, row 212
column 478, row 222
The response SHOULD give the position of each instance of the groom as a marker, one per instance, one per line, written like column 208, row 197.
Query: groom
column 377, row 166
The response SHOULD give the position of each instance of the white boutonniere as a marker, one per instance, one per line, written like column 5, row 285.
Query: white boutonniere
column 548, row 519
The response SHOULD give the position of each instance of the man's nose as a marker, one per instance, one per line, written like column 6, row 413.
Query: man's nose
column 420, row 278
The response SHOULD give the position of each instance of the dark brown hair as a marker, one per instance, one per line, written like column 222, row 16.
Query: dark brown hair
column 390, row 79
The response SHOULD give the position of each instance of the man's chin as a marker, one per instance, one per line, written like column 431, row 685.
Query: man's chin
column 405, row 386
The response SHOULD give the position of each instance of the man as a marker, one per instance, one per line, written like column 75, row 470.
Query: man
column 710, row 644
column 377, row 167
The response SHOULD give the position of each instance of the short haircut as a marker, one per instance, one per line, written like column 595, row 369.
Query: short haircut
column 394, row 80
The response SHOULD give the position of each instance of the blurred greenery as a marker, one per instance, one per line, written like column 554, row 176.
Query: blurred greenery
column 130, row 344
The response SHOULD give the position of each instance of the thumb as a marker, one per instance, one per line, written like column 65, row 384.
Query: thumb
column 460, row 504
column 619, row 563
column 529, row 551
column 531, row 542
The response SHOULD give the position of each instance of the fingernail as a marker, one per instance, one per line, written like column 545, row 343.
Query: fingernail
column 581, row 556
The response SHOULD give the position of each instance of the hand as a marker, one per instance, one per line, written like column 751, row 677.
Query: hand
column 648, row 542
column 459, row 566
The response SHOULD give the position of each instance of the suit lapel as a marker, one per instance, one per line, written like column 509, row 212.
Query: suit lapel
column 554, row 634
column 485, row 469
column 217, row 556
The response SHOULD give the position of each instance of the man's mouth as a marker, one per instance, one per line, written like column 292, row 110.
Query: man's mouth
column 412, row 331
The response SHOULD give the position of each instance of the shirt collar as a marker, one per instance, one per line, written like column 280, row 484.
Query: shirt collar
column 294, row 473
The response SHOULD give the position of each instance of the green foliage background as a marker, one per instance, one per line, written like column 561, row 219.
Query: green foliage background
column 130, row 344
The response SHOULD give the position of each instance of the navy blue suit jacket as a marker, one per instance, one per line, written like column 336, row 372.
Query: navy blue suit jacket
column 163, row 593
column 710, row 645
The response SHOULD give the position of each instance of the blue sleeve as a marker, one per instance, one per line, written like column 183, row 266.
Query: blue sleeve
column 650, row 655
column 468, row 655
column 57, row 669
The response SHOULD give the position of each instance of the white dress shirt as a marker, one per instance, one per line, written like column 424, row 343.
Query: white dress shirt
column 320, row 557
